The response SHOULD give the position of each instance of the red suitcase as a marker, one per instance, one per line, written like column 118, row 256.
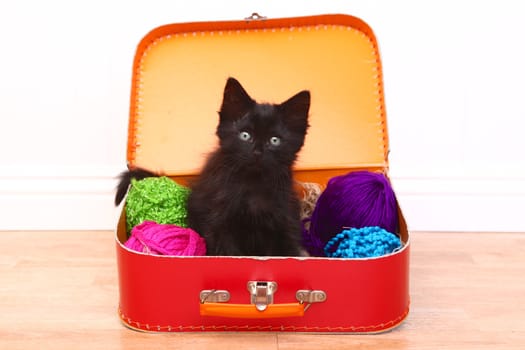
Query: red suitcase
column 178, row 77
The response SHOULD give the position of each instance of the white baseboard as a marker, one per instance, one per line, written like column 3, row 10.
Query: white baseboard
column 46, row 211
column 469, row 204
column 82, row 199
column 61, row 198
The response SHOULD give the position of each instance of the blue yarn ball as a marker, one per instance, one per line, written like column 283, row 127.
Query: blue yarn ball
column 365, row 242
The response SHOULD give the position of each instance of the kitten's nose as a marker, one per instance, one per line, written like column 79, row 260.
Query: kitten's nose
column 257, row 152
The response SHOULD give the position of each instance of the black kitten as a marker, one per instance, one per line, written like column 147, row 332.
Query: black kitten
column 244, row 201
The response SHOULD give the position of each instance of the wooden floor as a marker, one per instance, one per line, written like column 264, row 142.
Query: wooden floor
column 58, row 290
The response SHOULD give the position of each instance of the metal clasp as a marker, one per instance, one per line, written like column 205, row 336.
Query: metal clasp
column 255, row 17
column 261, row 293
column 214, row 296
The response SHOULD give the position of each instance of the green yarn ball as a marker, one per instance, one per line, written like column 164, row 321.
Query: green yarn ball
column 158, row 199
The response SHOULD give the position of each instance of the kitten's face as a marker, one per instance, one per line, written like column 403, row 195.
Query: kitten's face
column 261, row 136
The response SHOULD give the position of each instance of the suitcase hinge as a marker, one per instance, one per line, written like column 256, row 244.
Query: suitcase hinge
column 261, row 293
column 255, row 17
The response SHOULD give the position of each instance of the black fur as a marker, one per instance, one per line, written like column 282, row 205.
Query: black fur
column 244, row 202
column 125, row 180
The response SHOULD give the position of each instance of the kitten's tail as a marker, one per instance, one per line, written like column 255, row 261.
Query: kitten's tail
column 125, row 180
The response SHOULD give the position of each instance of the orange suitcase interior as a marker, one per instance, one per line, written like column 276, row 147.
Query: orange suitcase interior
column 179, row 79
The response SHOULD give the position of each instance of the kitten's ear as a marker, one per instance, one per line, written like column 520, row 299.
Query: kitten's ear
column 236, row 102
column 296, row 110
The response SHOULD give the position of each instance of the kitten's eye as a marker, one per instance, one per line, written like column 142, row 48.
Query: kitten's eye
column 245, row 136
column 275, row 141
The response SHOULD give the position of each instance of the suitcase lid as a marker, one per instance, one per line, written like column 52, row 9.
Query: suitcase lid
column 180, row 71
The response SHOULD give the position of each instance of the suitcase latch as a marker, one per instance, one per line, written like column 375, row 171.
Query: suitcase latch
column 261, row 293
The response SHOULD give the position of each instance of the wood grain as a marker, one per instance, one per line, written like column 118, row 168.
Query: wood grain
column 58, row 290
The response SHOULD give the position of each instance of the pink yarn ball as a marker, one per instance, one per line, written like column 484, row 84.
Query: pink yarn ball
column 165, row 239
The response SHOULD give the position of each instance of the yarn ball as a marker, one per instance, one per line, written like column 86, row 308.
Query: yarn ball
column 311, row 192
column 165, row 239
column 356, row 199
column 363, row 242
column 158, row 199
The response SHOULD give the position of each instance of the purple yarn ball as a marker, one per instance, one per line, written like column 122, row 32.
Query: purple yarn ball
column 354, row 200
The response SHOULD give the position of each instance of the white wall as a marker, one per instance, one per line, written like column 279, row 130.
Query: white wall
column 454, row 80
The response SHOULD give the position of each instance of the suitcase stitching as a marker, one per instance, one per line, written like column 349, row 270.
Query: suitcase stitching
column 170, row 328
